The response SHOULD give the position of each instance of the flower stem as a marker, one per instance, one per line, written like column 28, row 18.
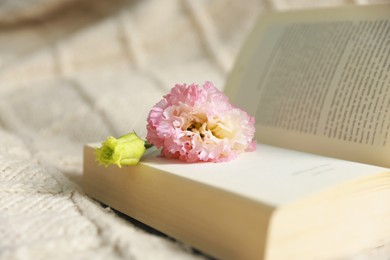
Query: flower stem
column 148, row 145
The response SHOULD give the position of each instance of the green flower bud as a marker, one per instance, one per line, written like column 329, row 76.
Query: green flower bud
column 126, row 150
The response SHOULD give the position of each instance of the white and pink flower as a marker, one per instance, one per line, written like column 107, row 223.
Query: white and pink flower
column 196, row 124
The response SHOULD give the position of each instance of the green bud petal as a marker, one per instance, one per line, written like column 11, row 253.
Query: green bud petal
column 126, row 150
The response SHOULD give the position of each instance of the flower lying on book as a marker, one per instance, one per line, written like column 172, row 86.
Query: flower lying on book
column 126, row 150
column 190, row 123
column 194, row 124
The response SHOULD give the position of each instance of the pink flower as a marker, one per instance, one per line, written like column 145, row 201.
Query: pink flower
column 195, row 124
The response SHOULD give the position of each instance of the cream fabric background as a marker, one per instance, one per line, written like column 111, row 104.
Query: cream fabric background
column 73, row 72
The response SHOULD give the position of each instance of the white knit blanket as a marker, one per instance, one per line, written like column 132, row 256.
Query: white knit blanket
column 73, row 72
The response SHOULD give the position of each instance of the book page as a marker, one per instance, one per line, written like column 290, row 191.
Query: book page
column 271, row 175
column 319, row 81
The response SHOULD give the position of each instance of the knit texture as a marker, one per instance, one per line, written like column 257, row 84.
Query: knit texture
column 73, row 72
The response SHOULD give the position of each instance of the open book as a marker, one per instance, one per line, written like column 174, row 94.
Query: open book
column 318, row 83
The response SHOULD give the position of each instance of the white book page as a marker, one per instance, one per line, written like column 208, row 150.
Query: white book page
column 320, row 76
column 271, row 175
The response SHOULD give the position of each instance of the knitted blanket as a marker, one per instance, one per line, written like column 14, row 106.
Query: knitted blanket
column 73, row 72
